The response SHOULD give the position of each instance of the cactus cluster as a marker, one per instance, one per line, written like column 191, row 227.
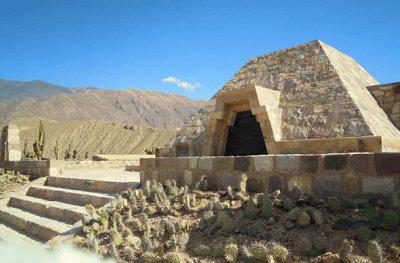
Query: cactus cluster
column 267, row 252
column 152, row 224
column 313, row 246
column 124, row 230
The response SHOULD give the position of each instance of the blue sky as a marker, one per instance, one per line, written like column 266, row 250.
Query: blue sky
column 186, row 47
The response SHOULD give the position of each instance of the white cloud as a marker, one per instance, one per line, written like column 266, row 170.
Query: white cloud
column 181, row 83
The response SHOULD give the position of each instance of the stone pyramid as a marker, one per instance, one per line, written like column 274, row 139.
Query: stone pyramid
column 323, row 94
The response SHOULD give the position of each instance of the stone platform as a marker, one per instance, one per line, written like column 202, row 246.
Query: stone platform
column 325, row 174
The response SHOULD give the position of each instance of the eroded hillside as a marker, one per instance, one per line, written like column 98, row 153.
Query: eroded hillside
column 136, row 107
column 93, row 136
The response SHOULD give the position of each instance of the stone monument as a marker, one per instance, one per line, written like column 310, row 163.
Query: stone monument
column 9, row 147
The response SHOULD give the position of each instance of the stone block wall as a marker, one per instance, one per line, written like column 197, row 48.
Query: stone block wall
column 33, row 168
column 326, row 174
column 312, row 146
column 388, row 98
column 36, row 169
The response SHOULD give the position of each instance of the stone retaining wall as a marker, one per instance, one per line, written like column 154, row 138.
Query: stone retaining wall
column 326, row 174
column 36, row 169
column 33, row 168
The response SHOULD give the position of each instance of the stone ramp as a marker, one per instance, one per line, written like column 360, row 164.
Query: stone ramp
column 50, row 208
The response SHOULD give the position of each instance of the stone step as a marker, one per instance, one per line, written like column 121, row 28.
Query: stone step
column 64, row 212
column 31, row 224
column 11, row 235
column 91, row 185
column 70, row 196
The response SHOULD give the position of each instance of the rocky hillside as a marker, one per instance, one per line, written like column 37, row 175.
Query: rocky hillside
column 134, row 107
column 93, row 136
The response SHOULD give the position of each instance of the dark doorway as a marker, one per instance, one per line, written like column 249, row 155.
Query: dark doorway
column 245, row 136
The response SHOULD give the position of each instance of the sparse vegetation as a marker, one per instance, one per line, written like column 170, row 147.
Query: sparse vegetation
column 10, row 180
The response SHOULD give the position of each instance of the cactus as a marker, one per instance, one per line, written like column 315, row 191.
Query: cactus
column 68, row 152
column 243, row 184
column 204, row 251
column 92, row 243
column 150, row 257
column 56, row 151
column 334, row 204
column 207, row 217
column 346, row 252
column 187, row 203
column 172, row 257
column 25, row 152
column 267, row 207
column 182, row 241
column 374, row 251
column 91, row 210
column 231, row 252
column 129, row 253
column 202, row 185
column 218, row 250
column 245, row 253
column 365, row 234
column 163, row 206
column 113, row 251
column 319, row 242
column 38, row 145
column 259, row 251
column 75, row 154
column 251, row 208
column 390, row 220
column 171, row 188
column 230, row 193
column 278, row 251
column 116, row 236
column 222, row 218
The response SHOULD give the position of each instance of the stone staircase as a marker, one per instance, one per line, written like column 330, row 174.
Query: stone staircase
column 48, row 209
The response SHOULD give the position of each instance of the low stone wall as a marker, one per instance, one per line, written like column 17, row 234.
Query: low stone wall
column 33, row 168
column 36, row 169
column 121, row 157
column 325, row 174
column 88, row 164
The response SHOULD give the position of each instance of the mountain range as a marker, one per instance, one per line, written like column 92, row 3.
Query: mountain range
column 134, row 107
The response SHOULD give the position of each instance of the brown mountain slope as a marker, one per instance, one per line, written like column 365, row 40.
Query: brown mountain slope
column 93, row 136
column 137, row 107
